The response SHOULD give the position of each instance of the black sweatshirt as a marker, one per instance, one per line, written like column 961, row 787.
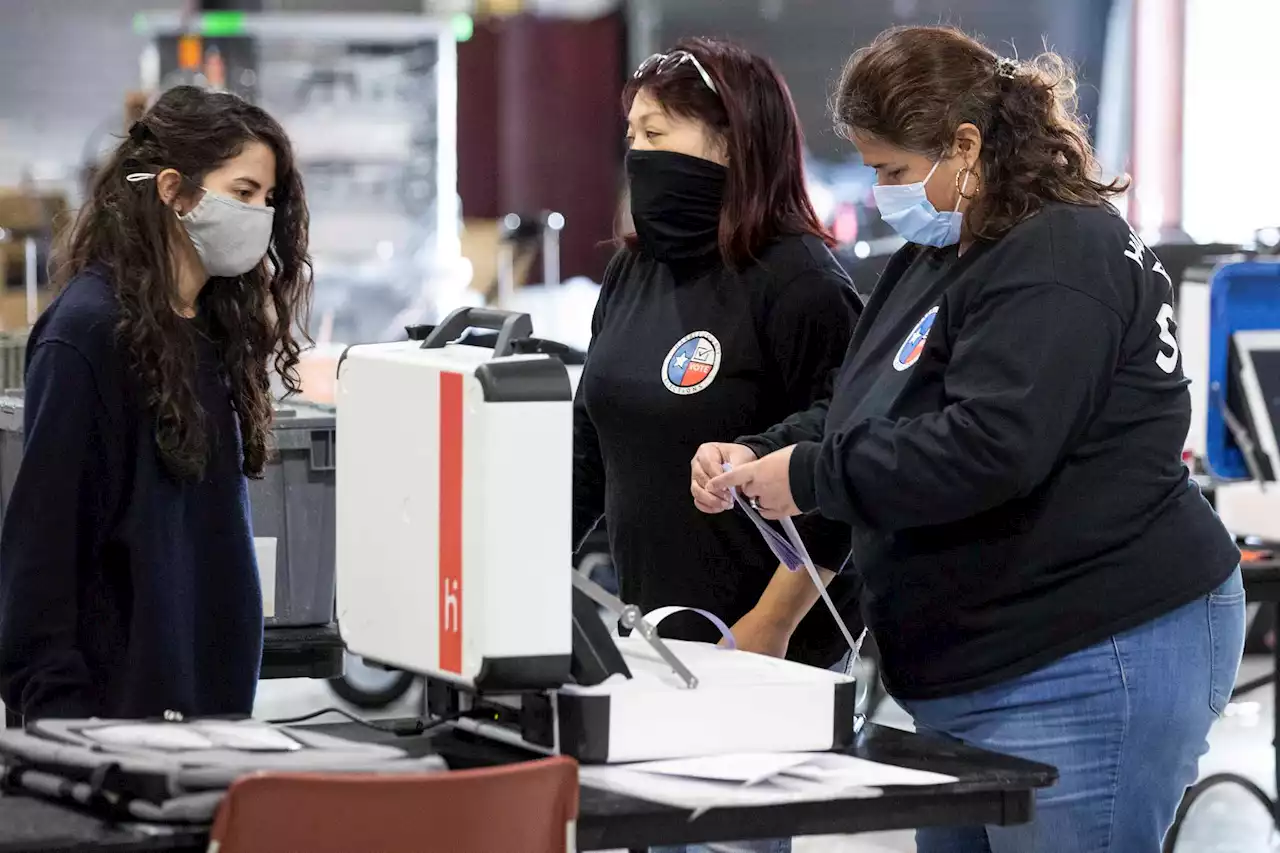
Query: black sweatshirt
column 123, row 592
column 1005, row 437
column 691, row 354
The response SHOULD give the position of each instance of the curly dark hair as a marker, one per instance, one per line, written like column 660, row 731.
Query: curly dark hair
column 913, row 87
column 256, row 320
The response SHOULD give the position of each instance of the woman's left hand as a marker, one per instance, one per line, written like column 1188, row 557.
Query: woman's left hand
column 767, row 481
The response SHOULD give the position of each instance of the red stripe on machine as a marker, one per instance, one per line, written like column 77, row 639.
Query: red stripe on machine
column 450, row 621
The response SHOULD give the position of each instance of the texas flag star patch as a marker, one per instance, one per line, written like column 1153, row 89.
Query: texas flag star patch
column 909, row 353
column 692, row 363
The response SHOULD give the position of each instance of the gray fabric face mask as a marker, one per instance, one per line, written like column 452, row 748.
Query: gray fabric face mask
column 230, row 237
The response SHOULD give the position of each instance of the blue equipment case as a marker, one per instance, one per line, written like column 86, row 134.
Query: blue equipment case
column 1243, row 296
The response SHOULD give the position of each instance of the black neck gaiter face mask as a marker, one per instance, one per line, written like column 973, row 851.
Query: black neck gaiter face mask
column 675, row 203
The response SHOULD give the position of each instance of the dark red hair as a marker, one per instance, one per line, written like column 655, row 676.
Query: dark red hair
column 765, row 195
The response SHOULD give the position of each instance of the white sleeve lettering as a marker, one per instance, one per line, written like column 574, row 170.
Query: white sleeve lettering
column 1158, row 269
column 1166, row 361
column 1135, row 250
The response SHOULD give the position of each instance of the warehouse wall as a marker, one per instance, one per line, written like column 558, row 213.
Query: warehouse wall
column 809, row 40
column 65, row 66
column 347, row 6
column 539, row 127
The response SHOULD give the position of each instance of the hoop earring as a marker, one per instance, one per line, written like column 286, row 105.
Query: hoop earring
column 967, row 173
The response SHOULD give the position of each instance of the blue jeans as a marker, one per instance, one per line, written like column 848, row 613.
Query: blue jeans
column 1125, row 722
column 772, row 845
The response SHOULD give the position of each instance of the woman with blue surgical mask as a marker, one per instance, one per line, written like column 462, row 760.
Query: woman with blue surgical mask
column 1004, row 437
column 130, row 585
column 906, row 207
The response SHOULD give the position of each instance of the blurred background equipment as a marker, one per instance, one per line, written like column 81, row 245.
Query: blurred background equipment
column 414, row 113
column 369, row 102
column 810, row 41
column 29, row 218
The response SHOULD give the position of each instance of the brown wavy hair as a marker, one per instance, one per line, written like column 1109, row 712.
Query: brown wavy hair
column 255, row 320
column 914, row 86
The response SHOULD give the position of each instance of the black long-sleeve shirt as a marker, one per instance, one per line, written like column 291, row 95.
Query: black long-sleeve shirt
column 691, row 354
column 1005, row 438
column 123, row 591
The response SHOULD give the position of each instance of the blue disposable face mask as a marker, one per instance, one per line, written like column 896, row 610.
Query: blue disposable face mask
column 908, row 211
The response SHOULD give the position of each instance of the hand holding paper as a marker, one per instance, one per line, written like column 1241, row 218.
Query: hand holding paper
column 707, row 464
column 767, row 482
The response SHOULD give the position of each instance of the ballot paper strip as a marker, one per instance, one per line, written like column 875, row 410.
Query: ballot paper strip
column 755, row 779
column 791, row 551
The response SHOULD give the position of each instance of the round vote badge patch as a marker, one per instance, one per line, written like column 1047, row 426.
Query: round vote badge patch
column 692, row 363
column 909, row 352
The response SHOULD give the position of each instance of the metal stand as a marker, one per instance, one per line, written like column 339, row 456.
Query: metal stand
column 1194, row 792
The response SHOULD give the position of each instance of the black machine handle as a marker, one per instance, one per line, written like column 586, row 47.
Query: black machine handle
column 510, row 326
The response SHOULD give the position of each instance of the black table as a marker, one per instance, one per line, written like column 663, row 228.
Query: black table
column 993, row 789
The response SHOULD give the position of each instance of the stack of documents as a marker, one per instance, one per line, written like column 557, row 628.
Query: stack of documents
column 754, row 779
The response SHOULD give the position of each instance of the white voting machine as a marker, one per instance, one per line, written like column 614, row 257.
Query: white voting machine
column 454, row 561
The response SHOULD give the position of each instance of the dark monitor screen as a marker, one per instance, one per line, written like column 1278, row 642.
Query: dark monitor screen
column 1253, row 397
column 1266, row 364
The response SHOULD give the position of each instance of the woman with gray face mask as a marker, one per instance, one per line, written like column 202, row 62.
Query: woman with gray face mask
column 130, row 586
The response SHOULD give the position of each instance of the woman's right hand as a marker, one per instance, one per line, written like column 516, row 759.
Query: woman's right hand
column 707, row 464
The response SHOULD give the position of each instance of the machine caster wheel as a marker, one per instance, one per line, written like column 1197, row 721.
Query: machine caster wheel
column 370, row 688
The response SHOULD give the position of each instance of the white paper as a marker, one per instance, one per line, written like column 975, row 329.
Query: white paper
column 840, row 769
column 248, row 737
column 204, row 735
column 699, row 795
column 814, row 777
column 746, row 768
column 164, row 736
column 264, row 548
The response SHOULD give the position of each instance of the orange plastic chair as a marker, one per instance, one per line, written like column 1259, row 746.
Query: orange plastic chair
column 519, row 808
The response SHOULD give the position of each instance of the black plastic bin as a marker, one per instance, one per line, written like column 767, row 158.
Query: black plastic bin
column 293, row 510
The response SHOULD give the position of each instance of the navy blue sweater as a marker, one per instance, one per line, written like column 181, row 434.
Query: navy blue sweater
column 124, row 592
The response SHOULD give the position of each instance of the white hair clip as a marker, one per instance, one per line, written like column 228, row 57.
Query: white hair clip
column 1006, row 67
column 138, row 177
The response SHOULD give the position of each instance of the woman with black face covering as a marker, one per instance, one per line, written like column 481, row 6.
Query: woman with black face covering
column 722, row 313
